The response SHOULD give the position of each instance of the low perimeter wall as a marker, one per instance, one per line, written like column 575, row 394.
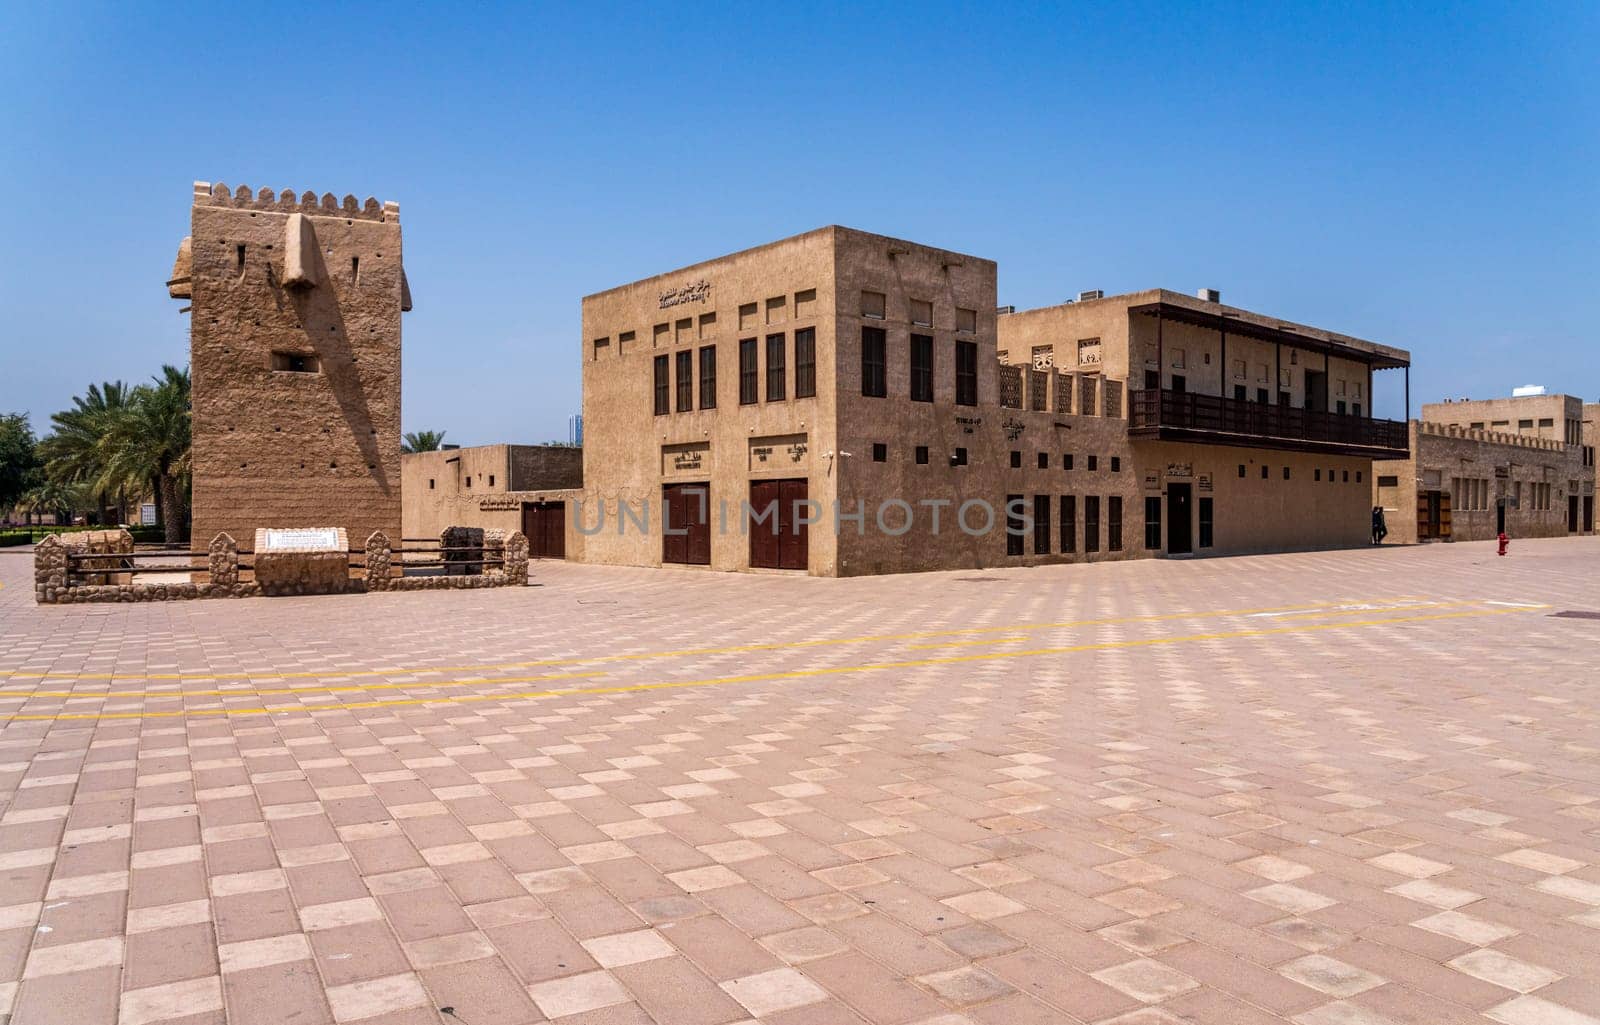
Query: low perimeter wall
column 64, row 573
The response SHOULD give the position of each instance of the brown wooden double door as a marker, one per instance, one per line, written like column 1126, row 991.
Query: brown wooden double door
column 778, row 540
column 686, row 524
column 544, row 524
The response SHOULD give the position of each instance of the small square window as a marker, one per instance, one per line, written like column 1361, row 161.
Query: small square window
column 1066, row 461
column 880, row 452
column 922, row 455
column 430, row 483
column 1094, row 463
column 1044, row 460
column 491, row 480
column 873, row 304
column 1358, row 476
column 1263, row 471
column 966, row 321
column 1316, row 473
column 469, row 482
column 1016, row 460
column 960, row 458
column 1241, row 469
column 1330, row 475
column 1116, row 464
column 921, row 313
column 1347, row 476
column 1285, row 473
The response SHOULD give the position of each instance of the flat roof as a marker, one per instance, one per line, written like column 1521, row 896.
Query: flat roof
column 834, row 228
column 1237, row 321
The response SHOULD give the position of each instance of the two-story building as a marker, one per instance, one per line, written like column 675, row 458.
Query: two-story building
column 1523, row 466
column 846, row 403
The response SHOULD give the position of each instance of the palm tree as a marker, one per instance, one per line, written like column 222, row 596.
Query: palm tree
column 76, row 452
column 148, row 444
column 422, row 441
column 57, row 497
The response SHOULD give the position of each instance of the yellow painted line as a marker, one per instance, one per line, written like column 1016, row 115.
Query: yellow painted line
column 964, row 644
column 679, row 653
column 17, row 695
column 791, row 674
column 257, row 692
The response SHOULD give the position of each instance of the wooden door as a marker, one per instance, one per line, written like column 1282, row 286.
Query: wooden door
column 794, row 544
column 1444, row 514
column 686, row 524
column 1180, row 519
column 778, row 534
column 763, row 523
column 544, row 524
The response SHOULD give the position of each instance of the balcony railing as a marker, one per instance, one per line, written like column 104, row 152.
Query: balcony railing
column 1196, row 416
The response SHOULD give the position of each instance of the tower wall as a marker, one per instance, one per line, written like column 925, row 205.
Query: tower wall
column 295, row 362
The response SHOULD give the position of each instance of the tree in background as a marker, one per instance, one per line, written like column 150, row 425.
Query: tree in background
column 78, row 449
column 19, row 461
column 60, row 499
column 147, row 445
column 422, row 441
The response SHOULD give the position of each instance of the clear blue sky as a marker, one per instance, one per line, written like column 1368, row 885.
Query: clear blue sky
column 1424, row 178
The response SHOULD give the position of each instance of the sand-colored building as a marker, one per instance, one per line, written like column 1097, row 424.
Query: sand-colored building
column 295, row 307
column 509, row 487
column 1523, row 466
column 869, row 385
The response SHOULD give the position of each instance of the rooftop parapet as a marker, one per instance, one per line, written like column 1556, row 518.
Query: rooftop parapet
column 1489, row 437
column 286, row 202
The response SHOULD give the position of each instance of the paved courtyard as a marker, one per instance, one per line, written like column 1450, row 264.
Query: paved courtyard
column 1334, row 789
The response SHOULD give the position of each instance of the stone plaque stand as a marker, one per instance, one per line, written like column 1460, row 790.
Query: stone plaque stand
column 302, row 561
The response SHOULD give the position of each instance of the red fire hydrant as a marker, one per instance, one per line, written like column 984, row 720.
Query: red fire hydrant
column 1504, row 541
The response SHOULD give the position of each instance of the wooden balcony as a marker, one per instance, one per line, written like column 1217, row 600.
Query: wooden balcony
column 1213, row 420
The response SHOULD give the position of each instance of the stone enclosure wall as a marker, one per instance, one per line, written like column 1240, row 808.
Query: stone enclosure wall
column 56, row 581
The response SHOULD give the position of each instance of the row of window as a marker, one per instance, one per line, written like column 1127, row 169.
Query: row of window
column 919, row 312
column 675, row 375
column 686, row 330
column 919, row 355
column 1065, row 533
column 1066, row 461
column 1316, row 474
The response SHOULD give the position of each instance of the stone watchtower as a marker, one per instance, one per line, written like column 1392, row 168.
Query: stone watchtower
column 294, row 349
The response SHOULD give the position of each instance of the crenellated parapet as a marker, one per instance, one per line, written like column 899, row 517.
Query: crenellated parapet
column 1489, row 437
column 287, row 202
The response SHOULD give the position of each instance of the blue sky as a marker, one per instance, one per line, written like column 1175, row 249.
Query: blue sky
column 1424, row 177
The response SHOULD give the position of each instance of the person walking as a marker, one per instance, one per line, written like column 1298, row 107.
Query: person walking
column 1380, row 529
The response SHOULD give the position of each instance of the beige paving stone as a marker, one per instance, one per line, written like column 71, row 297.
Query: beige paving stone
column 1146, row 980
column 575, row 994
column 1329, row 975
column 340, row 913
column 271, row 950
column 65, row 958
column 373, row 997
column 968, row 985
column 1529, row 1010
column 1503, row 970
column 173, row 1000
column 1465, row 928
column 628, row 948
column 768, row 993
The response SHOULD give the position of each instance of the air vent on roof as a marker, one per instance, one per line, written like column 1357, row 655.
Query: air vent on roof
column 1093, row 293
column 1210, row 295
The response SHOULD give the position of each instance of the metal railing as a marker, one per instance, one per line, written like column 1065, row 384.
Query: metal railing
column 1151, row 409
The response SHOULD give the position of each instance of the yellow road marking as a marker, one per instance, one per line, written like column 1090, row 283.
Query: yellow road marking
column 680, row 653
column 257, row 692
column 782, row 675
column 22, row 695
